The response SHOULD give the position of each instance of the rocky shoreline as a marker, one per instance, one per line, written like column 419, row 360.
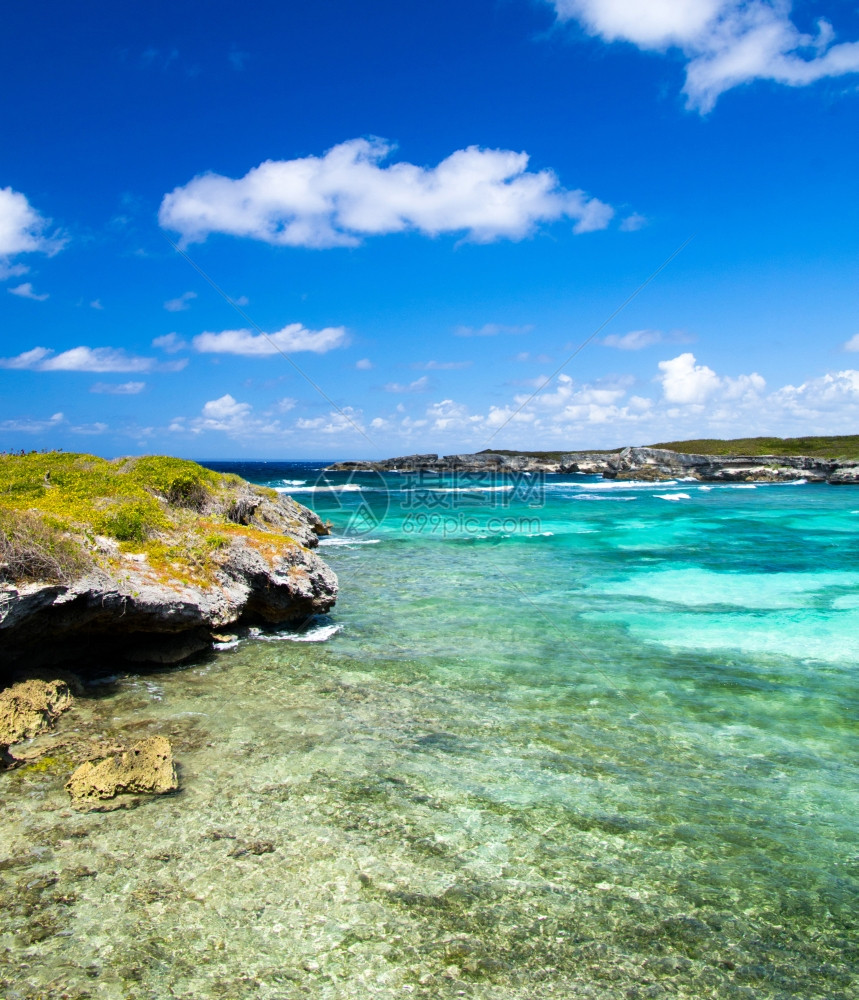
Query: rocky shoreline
column 127, row 607
column 78, row 604
column 649, row 464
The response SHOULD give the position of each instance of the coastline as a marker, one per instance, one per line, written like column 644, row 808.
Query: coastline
column 647, row 464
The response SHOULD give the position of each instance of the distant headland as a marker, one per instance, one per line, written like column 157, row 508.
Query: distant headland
column 833, row 460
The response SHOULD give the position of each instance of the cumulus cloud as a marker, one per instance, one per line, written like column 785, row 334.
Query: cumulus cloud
column 364, row 365
column 290, row 339
column 685, row 382
column 238, row 420
column 347, row 421
column 180, row 304
column 491, row 330
column 22, row 230
column 30, row 426
column 347, row 194
column 170, row 343
column 25, row 291
column 118, row 388
column 636, row 340
column 853, row 343
column 419, row 385
column 725, row 42
column 86, row 359
column 632, row 223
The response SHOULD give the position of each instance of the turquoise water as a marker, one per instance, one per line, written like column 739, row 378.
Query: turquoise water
column 561, row 739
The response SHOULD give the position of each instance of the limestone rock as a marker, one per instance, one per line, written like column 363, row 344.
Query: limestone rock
column 643, row 464
column 31, row 707
column 147, row 768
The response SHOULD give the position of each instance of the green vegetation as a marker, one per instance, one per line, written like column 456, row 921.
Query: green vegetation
column 53, row 505
column 31, row 549
column 842, row 447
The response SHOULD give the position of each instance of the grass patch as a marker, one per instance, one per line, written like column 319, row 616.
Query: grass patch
column 54, row 504
column 840, row 447
column 32, row 549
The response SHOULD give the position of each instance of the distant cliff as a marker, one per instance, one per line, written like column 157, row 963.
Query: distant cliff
column 631, row 463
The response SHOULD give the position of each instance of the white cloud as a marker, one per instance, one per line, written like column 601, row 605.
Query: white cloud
column 25, row 291
column 419, row 385
column 118, row 388
column 22, row 230
column 180, row 304
column 291, row 338
column 632, row 223
column 635, row 340
column 345, row 195
column 364, row 365
column 540, row 359
column 490, row 330
column 170, row 343
column 853, row 343
column 96, row 428
column 725, row 42
column 86, row 359
column 29, row 426
column 96, row 304
column 687, row 383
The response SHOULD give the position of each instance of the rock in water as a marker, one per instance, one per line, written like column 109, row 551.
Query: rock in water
column 31, row 707
column 113, row 783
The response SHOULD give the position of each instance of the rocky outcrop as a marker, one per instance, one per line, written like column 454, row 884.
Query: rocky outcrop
column 651, row 464
column 117, row 782
column 29, row 708
column 128, row 607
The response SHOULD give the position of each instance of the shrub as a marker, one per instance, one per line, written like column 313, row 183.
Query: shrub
column 188, row 490
column 33, row 550
column 132, row 522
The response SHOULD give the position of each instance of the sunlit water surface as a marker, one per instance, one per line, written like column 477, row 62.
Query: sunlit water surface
column 572, row 739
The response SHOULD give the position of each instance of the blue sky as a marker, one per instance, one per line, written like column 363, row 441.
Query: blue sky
column 415, row 215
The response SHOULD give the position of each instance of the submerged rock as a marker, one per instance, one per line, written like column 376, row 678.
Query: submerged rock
column 116, row 782
column 29, row 708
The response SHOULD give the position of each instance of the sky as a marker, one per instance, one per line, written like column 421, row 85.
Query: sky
column 333, row 230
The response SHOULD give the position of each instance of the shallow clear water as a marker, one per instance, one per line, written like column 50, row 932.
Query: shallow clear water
column 562, row 739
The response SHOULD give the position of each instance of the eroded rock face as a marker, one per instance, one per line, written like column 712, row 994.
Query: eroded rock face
column 648, row 464
column 131, row 614
column 31, row 707
column 116, row 782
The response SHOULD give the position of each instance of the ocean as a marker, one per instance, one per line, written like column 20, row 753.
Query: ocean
column 560, row 737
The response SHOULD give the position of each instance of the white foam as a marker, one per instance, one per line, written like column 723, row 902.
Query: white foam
column 340, row 540
column 672, row 496
column 293, row 482
column 346, row 488
column 626, row 484
column 459, row 489
column 319, row 633
column 594, row 496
